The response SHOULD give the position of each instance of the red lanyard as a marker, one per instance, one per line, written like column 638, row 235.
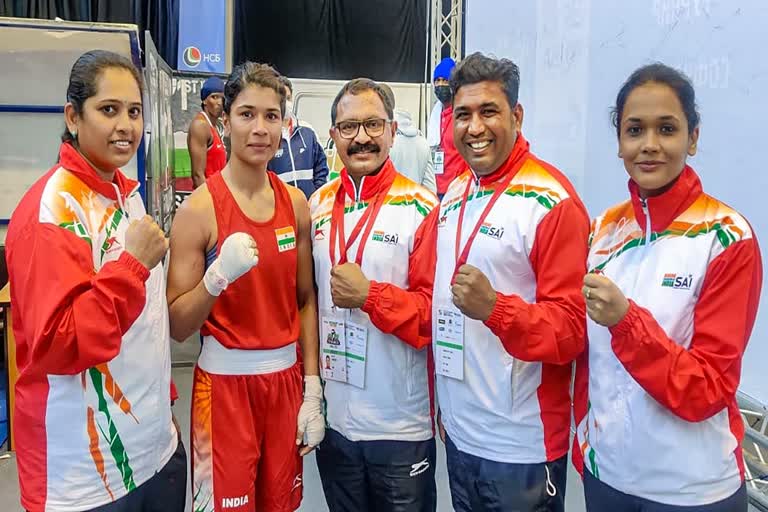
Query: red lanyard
column 337, row 226
column 500, row 188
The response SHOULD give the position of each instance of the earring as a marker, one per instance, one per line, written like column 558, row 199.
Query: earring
column 73, row 133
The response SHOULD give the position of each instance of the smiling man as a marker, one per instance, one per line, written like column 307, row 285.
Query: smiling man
column 508, row 314
column 374, row 265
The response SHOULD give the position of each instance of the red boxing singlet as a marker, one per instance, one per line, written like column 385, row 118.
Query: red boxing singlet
column 259, row 309
column 216, row 157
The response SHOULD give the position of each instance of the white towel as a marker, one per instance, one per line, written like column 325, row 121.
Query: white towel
column 433, row 126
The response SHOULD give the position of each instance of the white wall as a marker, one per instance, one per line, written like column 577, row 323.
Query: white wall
column 575, row 54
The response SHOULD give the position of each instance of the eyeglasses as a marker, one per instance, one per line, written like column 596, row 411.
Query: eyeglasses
column 373, row 127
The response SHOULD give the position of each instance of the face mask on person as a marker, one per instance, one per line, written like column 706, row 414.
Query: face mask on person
column 443, row 93
column 289, row 108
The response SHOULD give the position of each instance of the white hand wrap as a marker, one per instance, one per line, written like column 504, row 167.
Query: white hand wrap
column 311, row 420
column 236, row 257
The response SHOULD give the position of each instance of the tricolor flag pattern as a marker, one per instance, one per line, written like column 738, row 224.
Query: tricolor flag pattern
column 669, row 280
column 286, row 239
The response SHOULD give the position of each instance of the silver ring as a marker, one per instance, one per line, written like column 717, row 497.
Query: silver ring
column 587, row 294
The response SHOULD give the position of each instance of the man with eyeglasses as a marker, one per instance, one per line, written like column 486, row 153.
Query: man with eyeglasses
column 374, row 265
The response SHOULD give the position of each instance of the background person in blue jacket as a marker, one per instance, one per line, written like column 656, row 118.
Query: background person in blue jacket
column 300, row 160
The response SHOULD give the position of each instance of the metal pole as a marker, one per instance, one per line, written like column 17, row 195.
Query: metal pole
column 229, row 28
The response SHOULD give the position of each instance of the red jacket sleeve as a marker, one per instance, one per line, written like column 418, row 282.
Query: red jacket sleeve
column 698, row 382
column 552, row 329
column 408, row 313
column 70, row 317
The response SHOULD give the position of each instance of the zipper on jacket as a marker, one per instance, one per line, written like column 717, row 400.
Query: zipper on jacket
column 476, row 190
column 120, row 201
column 644, row 204
column 359, row 190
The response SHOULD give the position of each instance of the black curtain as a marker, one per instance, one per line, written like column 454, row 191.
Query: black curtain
column 74, row 10
column 334, row 39
column 160, row 17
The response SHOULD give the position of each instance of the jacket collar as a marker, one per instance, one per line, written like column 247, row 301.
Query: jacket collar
column 71, row 160
column 520, row 150
column 299, row 130
column 371, row 184
column 665, row 208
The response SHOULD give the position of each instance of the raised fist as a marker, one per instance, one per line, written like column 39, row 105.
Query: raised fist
column 146, row 242
column 237, row 256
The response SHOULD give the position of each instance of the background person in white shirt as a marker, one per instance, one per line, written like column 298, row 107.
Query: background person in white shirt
column 410, row 151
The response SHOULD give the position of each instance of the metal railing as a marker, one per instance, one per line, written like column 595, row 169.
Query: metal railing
column 755, row 449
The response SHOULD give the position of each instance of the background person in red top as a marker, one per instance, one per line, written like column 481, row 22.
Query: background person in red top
column 207, row 153
column 446, row 160
column 242, row 273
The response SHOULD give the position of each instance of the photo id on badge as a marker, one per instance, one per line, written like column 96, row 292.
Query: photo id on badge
column 438, row 160
column 449, row 342
column 357, row 345
column 333, row 349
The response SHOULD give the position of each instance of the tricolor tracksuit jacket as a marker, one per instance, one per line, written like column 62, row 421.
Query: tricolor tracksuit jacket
column 656, row 393
column 514, row 403
column 399, row 259
column 92, row 415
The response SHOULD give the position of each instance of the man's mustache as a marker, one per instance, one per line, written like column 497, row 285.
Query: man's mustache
column 363, row 148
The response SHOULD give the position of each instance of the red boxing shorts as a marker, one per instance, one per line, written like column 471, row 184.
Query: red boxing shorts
column 244, row 453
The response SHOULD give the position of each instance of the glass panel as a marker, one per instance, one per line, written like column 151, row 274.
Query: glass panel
column 39, row 60
column 29, row 146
